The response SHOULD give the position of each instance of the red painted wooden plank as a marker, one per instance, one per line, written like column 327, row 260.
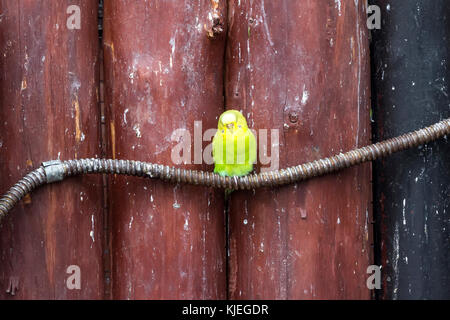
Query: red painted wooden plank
column 49, row 110
column 162, row 73
column 301, row 67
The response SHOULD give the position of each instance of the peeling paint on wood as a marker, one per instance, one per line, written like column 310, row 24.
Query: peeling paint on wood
column 302, row 68
column 168, row 241
column 163, row 73
column 44, row 68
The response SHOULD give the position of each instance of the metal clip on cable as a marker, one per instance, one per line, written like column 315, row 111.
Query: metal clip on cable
column 54, row 170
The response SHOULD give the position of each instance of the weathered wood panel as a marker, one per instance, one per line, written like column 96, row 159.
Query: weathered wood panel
column 301, row 67
column 412, row 191
column 162, row 73
column 48, row 110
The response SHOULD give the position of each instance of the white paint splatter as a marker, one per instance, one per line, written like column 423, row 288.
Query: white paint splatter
column 396, row 252
column 172, row 48
column 131, row 222
column 125, row 115
column 76, row 84
column 403, row 212
column 249, row 66
column 305, row 96
column 338, row 5
column 172, row 44
column 266, row 27
column 91, row 234
column 27, row 61
column 137, row 130
column 239, row 52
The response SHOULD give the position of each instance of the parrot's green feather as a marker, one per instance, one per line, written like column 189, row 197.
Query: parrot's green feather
column 234, row 148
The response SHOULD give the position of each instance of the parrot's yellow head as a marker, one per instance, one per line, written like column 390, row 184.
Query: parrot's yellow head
column 232, row 121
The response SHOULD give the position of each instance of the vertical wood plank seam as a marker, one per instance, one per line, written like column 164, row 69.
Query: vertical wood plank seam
column 106, row 247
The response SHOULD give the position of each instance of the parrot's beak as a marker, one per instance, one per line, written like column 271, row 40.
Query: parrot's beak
column 230, row 126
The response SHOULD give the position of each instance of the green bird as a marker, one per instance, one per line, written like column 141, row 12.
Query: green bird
column 234, row 145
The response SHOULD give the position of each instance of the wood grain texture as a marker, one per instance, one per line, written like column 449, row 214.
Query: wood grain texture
column 162, row 73
column 48, row 110
column 301, row 68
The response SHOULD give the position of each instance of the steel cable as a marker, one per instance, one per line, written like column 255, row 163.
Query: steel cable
column 56, row 170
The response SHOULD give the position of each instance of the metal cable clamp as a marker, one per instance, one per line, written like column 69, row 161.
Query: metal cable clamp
column 54, row 170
